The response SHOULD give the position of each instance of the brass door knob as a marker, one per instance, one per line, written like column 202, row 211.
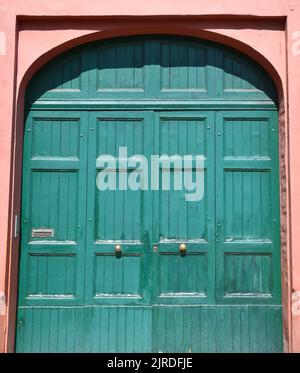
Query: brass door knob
column 182, row 249
column 118, row 250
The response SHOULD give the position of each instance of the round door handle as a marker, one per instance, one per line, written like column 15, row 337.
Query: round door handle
column 182, row 249
column 118, row 250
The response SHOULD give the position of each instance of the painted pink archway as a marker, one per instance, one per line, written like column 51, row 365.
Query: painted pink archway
column 130, row 29
column 145, row 29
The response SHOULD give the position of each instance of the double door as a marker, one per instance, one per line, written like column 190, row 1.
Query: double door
column 113, row 259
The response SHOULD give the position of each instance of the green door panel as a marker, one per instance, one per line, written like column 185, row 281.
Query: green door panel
column 185, row 279
column 55, row 184
column 247, row 212
column 211, row 328
column 118, row 217
column 164, row 96
column 155, row 68
column 84, row 329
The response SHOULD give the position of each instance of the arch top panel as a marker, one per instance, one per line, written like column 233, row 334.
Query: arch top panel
column 154, row 68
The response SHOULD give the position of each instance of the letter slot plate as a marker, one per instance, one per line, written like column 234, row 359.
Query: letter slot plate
column 42, row 232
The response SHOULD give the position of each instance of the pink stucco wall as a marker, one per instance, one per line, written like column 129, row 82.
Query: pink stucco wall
column 32, row 32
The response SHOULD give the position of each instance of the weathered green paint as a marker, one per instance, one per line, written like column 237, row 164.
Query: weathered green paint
column 154, row 95
column 147, row 69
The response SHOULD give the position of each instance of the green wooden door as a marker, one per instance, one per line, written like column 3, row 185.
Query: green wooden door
column 154, row 96
column 118, row 286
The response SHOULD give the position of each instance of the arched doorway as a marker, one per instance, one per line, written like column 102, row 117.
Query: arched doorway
column 146, row 270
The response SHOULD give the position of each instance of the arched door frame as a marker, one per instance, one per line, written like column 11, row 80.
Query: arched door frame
column 178, row 28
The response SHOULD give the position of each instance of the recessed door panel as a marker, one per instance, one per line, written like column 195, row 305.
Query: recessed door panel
column 181, row 221
column 118, row 241
column 54, row 222
column 247, row 217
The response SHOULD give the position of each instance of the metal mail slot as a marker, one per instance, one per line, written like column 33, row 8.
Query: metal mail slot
column 42, row 232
